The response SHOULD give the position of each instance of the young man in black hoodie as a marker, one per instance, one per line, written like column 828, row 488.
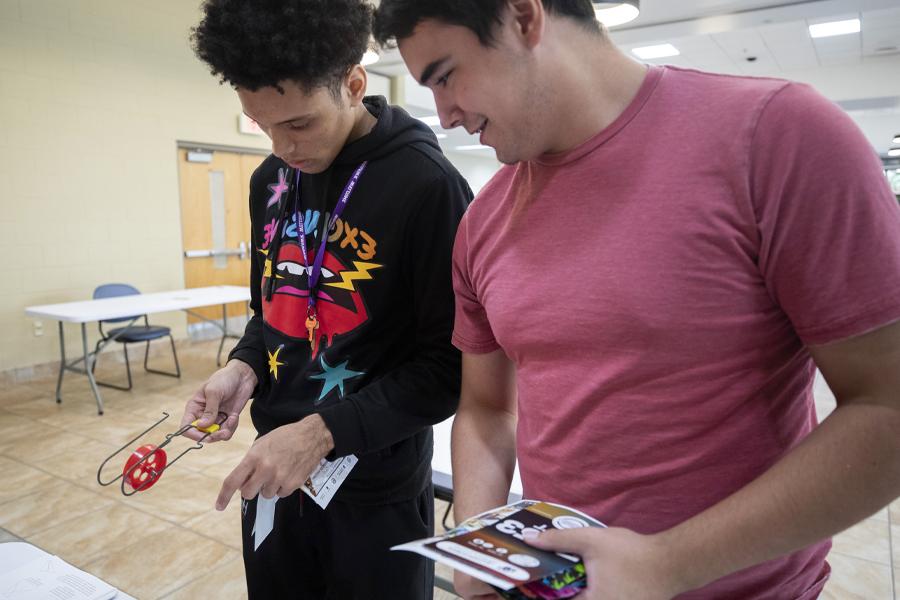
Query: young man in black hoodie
column 348, row 351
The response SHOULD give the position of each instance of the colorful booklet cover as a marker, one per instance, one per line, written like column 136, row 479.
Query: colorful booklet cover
column 491, row 547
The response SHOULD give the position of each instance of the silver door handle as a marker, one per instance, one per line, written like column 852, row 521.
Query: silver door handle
column 240, row 251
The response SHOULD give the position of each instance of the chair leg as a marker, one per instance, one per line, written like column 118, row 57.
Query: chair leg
column 127, row 364
column 177, row 372
column 447, row 527
column 127, row 371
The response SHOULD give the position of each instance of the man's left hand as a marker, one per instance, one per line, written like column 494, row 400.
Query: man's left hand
column 279, row 462
column 620, row 564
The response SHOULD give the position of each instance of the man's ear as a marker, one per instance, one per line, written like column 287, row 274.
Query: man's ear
column 529, row 17
column 355, row 84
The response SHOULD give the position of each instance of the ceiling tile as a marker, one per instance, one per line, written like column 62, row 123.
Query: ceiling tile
column 747, row 51
column 878, row 39
column 886, row 17
column 790, row 45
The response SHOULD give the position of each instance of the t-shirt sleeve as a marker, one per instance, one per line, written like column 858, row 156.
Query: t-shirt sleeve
column 829, row 224
column 472, row 331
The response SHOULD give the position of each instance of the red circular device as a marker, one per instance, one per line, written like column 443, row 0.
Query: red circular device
column 149, row 471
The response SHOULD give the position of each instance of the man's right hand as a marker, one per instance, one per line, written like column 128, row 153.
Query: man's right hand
column 472, row 589
column 226, row 391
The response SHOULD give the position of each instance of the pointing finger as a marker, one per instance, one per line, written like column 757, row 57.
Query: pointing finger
column 233, row 482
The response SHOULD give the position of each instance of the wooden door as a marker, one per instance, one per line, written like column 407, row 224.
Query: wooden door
column 215, row 221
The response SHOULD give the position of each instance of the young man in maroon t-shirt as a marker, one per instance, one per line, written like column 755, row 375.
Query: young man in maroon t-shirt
column 644, row 293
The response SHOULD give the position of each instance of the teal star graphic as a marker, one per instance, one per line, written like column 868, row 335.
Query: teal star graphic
column 334, row 377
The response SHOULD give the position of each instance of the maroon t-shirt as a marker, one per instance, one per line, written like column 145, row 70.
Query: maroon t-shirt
column 657, row 288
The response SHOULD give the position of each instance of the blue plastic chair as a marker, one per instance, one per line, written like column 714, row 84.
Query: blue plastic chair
column 131, row 334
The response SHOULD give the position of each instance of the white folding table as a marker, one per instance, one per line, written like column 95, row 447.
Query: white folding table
column 88, row 311
column 14, row 555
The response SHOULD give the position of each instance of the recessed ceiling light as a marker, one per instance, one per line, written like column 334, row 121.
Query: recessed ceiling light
column 658, row 51
column 832, row 28
column 473, row 147
column 897, row 139
column 894, row 152
column 370, row 58
column 432, row 121
column 613, row 14
column 441, row 136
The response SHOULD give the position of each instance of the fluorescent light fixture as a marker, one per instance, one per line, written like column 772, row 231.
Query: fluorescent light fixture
column 658, row 51
column 370, row 58
column 432, row 121
column 894, row 152
column 832, row 28
column 441, row 136
column 613, row 14
column 897, row 139
column 472, row 147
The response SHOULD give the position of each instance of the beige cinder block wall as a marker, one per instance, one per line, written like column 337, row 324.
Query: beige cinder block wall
column 94, row 95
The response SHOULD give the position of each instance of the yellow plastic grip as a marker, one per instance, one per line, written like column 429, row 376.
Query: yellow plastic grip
column 211, row 429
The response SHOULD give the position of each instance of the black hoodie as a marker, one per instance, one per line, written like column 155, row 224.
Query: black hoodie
column 383, row 370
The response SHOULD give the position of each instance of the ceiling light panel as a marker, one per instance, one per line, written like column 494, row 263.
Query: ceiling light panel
column 614, row 14
column 834, row 28
column 654, row 52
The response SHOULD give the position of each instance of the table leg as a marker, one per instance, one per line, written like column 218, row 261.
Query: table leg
column 62, row 363
column 224, row 334
column 88, row 363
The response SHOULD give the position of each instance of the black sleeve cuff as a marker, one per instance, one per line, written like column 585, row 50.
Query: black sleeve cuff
column 259, row 366
column 345, row 424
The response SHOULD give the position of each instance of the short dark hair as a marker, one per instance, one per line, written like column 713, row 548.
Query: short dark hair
column 254, row 44
column 396, row 19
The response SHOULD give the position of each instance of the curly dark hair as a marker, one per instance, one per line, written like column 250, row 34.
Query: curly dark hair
column 254, row 44
column 396, row 19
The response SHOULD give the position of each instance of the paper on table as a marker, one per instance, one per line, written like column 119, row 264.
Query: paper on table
column 324, row 482
column 51, row 577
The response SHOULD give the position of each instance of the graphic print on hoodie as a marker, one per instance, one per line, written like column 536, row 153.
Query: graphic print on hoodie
column 340, row 306
column 382, row 369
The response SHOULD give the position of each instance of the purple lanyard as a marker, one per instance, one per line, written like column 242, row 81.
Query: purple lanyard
column 316, row 270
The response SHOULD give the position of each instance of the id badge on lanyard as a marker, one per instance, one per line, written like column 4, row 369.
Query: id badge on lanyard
column 313, row 273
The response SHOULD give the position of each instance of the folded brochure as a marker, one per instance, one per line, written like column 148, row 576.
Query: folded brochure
column 491, row 548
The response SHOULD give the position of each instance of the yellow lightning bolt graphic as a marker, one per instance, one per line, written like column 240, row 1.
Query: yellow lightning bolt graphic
column 361, row 273
column 267, row 269
column 273, row 362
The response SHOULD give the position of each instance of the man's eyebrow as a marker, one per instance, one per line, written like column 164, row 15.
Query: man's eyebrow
column 299, row 118
column 433, row 66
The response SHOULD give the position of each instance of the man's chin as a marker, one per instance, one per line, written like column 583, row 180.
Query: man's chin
column 508, row 158
column 312, row 167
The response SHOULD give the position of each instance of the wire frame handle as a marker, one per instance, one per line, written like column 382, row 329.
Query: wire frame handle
column 208, row 431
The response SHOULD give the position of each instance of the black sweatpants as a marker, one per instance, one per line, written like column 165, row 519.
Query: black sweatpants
column 342, row 553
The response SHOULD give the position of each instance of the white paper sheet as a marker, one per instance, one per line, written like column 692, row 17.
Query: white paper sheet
column 265, row 519
column 51, row 578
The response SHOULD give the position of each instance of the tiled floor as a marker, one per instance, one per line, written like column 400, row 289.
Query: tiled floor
column 173, row 545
